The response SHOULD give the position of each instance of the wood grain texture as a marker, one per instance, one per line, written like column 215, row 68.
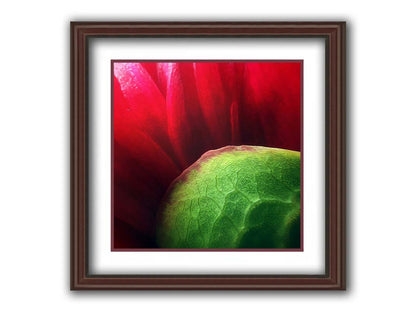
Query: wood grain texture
column 334, row 34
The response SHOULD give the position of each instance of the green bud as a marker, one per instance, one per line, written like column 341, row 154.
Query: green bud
column 234, row 197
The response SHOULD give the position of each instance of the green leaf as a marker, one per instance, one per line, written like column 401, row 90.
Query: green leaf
column 234, row 197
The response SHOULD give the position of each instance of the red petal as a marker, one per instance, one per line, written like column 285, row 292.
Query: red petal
column 151, row 69
column 179, row 129
column 128, row 132
column 130, row 210
column 200, row 139
column 213, row 101
column 126, row 236
column 232, row 78
column 142, row 169
column 144, row 107
column 272, row 104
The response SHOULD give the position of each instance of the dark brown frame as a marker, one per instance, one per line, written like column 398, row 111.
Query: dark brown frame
column 335, row 267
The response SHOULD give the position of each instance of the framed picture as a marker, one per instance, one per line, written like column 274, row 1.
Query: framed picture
column 208, row 155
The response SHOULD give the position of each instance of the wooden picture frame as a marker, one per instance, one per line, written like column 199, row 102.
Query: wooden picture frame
column 334, row 34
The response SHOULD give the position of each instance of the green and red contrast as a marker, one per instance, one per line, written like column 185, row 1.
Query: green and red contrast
column 234, row 197
column 166, row 115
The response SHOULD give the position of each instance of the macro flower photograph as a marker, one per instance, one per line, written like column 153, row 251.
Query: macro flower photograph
column 207, row 155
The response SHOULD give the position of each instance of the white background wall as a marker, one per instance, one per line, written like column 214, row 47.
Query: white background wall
column 34, row 170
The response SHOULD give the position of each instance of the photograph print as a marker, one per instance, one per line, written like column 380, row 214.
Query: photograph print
column 207, row 155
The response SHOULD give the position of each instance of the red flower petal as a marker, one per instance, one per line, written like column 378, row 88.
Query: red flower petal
column 144, row 102
column 137, row 138
column 178, row 121
column 232, row 75
column 127, row 237
column 200, row 139
column 213, row 101
column 142, row 169
column 272, row 104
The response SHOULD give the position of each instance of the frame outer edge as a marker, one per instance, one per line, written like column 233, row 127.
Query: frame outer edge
column 342, row 153
column 336, row 269
column 72, row 165
column 337, row 231
column 79, row 177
